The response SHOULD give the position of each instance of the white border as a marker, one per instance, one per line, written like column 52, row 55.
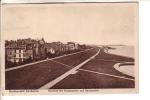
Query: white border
column 144, row 39
column 51, row 1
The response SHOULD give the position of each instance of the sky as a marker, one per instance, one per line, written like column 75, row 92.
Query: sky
column 102, row 23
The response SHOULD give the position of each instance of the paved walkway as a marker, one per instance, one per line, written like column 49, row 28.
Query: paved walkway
column 72, row 71
column 126, row 69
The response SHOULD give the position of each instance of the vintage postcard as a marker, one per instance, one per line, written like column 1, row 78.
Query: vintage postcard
column 69, row 48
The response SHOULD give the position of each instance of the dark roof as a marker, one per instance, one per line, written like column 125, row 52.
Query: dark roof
column 53, row 44
column 70, row 43
column 16, row 46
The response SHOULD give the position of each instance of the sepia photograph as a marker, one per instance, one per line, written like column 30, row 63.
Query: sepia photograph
column 70, row 48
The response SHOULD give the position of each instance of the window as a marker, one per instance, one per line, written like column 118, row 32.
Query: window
column 19, row 55
column 20, row 60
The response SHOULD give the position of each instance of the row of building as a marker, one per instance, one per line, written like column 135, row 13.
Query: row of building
column 23, row 50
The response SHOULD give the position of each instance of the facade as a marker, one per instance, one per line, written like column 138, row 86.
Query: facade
column 66, row 47
column 24, row 49
column 76, row 46
column 72, row 46
column 38, row 49
column 50, row 48
column 54, row 48
column 15, row 53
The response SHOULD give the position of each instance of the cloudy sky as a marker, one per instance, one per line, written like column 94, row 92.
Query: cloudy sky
column 102, row 23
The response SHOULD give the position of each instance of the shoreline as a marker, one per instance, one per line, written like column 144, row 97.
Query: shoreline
column 127, row 69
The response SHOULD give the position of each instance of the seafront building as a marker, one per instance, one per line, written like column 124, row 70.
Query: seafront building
column 22, row 50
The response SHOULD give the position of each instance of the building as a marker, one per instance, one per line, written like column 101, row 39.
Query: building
column 24, row 49
column 28, row 50
column 39, row 49
column 18, row 53
column 66, row 48
column 72, row 46
column 50, row 49
column 54, row 48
